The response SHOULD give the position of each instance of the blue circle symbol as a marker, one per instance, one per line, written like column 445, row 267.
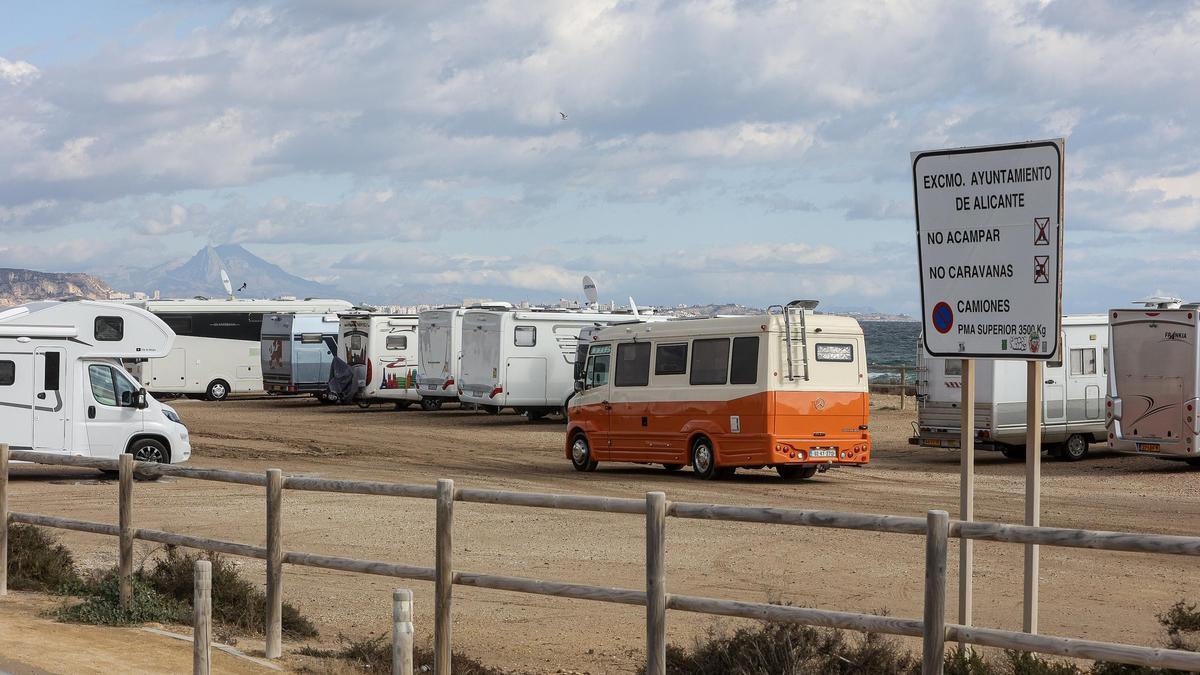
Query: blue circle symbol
column 943, row 318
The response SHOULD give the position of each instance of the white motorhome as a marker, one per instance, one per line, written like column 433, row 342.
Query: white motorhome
column 297, row 351
column 63, row 389
column 1073, row 394
column 439, row 332
column 382, row 351
column 1154, row 381
column 521, row 359
column 217, row 349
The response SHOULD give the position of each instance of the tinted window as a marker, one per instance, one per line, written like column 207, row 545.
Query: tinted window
column 8, row 373
column 1083, row 361
column 953, row 367
column 52, row 370
column 845, row 354
column 220, row 325
column 744, row 368
column 670, row 360
column 397, row 342
column 180, row 324
column 110, row 328
column 525, row 336
column 103, row 389
column 311, row 338
column 633, row 365
column 710, row 361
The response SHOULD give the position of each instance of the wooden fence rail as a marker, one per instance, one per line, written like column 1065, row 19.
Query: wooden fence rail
column 936, row 528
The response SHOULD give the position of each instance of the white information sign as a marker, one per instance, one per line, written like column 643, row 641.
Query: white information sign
column 989, row 243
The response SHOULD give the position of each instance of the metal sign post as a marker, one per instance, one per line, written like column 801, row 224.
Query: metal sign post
column 989, row 245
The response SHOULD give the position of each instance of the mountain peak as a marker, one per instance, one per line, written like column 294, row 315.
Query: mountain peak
column 201, row 275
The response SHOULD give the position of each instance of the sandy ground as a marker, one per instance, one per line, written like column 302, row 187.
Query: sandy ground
column 1088, row 594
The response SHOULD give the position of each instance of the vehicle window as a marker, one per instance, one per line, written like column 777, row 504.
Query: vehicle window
column 127, row 389
column 103, row 388
column 1083, row 361
column 670, row 359
column 580, row 360
column 396, row 342
column 8, row 373
column 109, row 328
column 180, row 325
column 52, row 371
column 744, row 367
column 845, row 354
column 597, row 367
column 311, row 338
column 633, row 365
column 953, row 367
column 525, row 336
column 710, row 361
column 1104, row 363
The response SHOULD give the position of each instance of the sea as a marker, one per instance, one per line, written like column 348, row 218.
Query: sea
column 890, row 345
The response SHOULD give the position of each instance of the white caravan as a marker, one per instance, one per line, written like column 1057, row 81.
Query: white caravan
column 217, row 351
column 382, row 351
column 522, row 359
column 62, row 387
column 439, row 332
column 1073, row 395
column 1154, row 381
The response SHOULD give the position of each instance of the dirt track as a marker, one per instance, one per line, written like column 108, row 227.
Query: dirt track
column 1087, row 594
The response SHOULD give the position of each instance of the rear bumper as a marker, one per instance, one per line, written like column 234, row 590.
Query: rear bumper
column 846, row 451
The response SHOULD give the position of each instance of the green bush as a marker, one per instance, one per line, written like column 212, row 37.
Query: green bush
column 235, row 601
column 374, row 655
column 37, row 562
column 101, row 605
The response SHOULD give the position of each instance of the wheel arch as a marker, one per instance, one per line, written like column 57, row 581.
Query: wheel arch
column 152, row 436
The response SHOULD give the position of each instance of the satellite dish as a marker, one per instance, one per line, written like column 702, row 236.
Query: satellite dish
column 589, row 291
column 228, row 286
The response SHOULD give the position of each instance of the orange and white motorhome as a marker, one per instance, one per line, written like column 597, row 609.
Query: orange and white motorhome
column 786, row 390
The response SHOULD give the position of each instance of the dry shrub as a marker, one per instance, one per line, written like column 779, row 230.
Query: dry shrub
column 37, row 562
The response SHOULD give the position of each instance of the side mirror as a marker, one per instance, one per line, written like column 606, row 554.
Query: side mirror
column 142, row 403
column 578, row 386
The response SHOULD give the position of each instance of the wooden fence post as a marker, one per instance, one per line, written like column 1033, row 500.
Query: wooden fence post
column 125, row 522
column 3, row 519
column 443, row 577
column 656, row 583
column 402, row 632
column 274, row 648
column 903, row 385
column 201, row 617
column 934, row 624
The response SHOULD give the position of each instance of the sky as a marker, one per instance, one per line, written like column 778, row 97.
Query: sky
column 751, row 152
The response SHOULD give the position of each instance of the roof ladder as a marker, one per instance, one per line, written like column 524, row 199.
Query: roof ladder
column 793, row 340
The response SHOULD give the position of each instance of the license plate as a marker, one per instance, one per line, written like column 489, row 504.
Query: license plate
column 822, row 452
column 1148, row 447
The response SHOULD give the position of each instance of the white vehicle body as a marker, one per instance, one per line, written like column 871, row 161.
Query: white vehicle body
column 382, row 350
column 297, row 350
column 217, row 345
column 63, row 389
column 522, row 359
column 1154, row 382
column 1073, row 393
column 439, row 333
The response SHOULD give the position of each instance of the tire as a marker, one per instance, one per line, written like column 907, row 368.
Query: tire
column 1014, row 452
column 672, row 467
column 704, row 460
column 363, row 403
column 149, row 450
column 795, row 471
column 327, row 398
column 403, row 405
column 218, row 390
column 1075, row 448
column 492, row 409
column 1193, row 461
column 430, row 404
column 581, row 454
column 535, row 414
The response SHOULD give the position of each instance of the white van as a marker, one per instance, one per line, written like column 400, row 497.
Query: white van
column 63, row 389
column 297, row 351
column 439, row 332
column 1154, row 381
column 522, row 359
column 1073, row 395
column 382, row 351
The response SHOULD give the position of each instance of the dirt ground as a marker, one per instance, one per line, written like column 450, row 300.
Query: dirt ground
column 1088, row 594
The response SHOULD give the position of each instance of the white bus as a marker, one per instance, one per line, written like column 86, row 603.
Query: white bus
column 63, row 389
column 1073, row 391
column 381, row 349
column 217, row 348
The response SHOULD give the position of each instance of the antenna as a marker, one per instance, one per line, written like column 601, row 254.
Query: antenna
column 589, row 291
column 1160, row 302
column 225, row 282
column 633, row 306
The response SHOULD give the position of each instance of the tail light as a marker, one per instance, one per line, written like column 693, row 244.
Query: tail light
column 495, row 391
column 448, row 383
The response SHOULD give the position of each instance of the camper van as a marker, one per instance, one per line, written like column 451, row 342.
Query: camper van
column 439, row 332
column 1073, row 390
column 1154, row 381
column 521, row 359
column 296, row 352
column 382, row 351
column 63, row 389
column 786, row 390
column 217, row 350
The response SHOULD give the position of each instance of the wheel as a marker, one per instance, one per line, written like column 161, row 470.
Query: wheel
column 1193, row 461
column 581, row 454
column 672, row 467
column 218, row 390
column 535, row 414
column 1014, row 452
column 1075, row 448
column 704, row 460
column 429, row 404
column 403, row 405
column 492, row 409
column 149, row 450
column 363, row 403
column 796, row 471
column 327, row 398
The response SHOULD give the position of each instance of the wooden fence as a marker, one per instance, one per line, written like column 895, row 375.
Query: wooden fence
column 936, row 528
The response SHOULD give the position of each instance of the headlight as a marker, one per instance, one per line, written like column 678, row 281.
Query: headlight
column 172, row 415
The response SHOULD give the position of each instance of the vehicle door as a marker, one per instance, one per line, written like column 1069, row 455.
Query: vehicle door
column 629, row 431
column 1083, row 385
column 16, row 420
column 592, row 408
column 49, row 406
column 1054, row 404
column 112, row 412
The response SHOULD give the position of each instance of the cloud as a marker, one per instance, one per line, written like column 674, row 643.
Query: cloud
column 17, row 72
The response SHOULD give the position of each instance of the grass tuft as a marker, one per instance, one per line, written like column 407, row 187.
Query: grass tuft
column 101, row 605
column 374, row 655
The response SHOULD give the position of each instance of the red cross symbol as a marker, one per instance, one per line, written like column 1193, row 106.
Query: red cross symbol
column 1040, row 263
column 1041, row 239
